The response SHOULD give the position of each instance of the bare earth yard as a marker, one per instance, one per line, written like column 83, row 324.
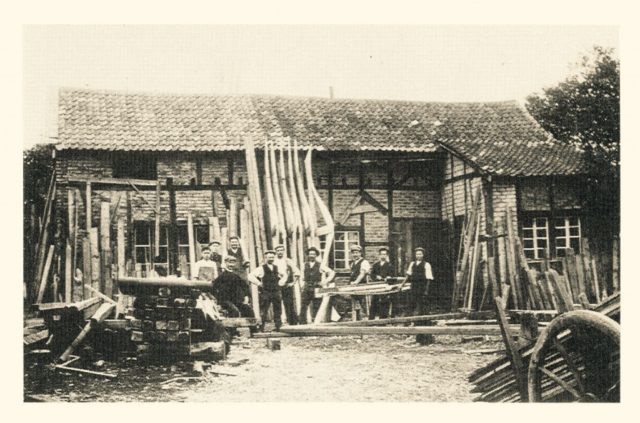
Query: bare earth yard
column 373, row 368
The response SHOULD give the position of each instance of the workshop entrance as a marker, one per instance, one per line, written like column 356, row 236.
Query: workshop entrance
column 407, row 234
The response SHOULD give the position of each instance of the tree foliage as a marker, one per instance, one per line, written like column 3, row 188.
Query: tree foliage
column 37, row 167
column 584, row 109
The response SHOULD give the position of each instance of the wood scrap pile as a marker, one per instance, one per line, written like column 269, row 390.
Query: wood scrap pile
column 496, row 265
column 497, row 381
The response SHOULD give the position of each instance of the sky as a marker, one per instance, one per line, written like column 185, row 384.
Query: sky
column 415, row 62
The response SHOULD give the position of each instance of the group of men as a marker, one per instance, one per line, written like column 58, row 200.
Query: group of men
column 277, row 276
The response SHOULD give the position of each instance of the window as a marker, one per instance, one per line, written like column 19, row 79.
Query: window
column 200, row 232
column 566, row 234
column 535, row 237
column 143, row 245
column 341, row 254
column 134, row 165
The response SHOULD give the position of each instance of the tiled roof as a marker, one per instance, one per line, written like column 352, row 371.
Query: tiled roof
column 499, row 137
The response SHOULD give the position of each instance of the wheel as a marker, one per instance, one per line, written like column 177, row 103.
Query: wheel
column 576, row 358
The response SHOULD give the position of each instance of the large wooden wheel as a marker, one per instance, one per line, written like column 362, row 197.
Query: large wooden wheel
column 576, row 358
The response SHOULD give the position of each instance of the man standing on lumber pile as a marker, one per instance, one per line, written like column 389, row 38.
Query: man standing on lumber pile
column 420, row 276
column 360, row 269
column 313, row 273
column 293, row 277
column 270, row 279
column 380, row 271
column 206, row 269
column 236, row 251
column 231, row 291
column 215, row 252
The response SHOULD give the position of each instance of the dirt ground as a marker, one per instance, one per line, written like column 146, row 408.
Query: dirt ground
column 371, row 368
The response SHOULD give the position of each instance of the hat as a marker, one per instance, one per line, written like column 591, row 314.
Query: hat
column 312, row 249
column 381, row 249
column 205, row 248
column 278, row 247
column 233, row 237
column 230, row 258
column 355, row 248
column 418, row 249
column 214, row 242
column 269, row 252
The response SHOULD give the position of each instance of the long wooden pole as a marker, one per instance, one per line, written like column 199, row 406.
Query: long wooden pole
column 192, row 250
column 247, row 233
column 275, row 182
column 308, row 219
column 45, row 275
column 156, row 228
column 271, row 202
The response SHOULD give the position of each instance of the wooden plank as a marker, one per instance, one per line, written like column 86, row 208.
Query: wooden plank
column 105, row 248
column 511, row 263
column 615, row 264
column 121, row 249
column 88, row 211
column 569, row 265
column 45, row 275
column 596, row 284
column 585, row 255
column 246, row 226
column 95, row 258
column 413, row 319
column 192, row 250
column 513, row 353
column 174, row 260
column 214, row 228
column 100, row 315
column 326, row 330
column 68, row 274
column 580, row 274
column 563, row 303
column 156, row 228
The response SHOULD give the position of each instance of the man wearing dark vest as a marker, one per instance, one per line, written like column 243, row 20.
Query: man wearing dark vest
column 380, row 271
column 270, row 279
column 231, row 291
column 420, row 276
column 236, row 251
column 360, row 269
column 215, row 252
column 313, row 272
column 288, row 291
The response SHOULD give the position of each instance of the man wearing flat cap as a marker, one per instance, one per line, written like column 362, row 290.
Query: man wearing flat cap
column 206, row 269
column 270, row 280
column 293, row 277
column 314, row 275
column 380, row 271
column 215, row 252
column 420, row 276
column 231, row 291
column 360, row 269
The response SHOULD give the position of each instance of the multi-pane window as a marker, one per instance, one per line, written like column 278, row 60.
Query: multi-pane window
column 143, row 245
column 566, row 232
column 200, row 233
column 341, row 248
column 535, row 237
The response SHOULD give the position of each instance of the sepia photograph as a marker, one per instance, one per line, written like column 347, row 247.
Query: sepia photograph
column 321, row 213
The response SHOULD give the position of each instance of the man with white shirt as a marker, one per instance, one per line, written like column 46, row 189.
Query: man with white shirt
column 315, row 275
column 206, row 269
column 270, row 279
column 420, row 275
column 293, row 277
column 360, row 269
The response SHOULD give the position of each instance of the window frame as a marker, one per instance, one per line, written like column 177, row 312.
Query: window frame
column 358, row 236
column 148, row 265
column 551, row 218
column 123, row 165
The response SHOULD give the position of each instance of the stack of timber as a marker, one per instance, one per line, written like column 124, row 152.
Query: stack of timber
column 497, row 381
column 170, row 316
column 372, row 288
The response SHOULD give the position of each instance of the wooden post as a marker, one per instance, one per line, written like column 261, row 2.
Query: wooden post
column 106, row 256
column 214, row 229
column 121, row 250
column 192, row 250
column 156, row 229
column 88, row 205
column 173, row 229
column 45, row 275
column 247, row 229
column 516, row 288
column 232, row 224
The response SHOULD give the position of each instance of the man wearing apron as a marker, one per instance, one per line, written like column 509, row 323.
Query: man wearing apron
column 420, row 276
column 360, row 269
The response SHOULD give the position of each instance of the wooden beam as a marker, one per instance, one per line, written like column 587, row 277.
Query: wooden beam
column 106, row 256
column 173, row 229
column 86, row 264
column 121, row 250
column 192, row 250
column 45, row 275
column 325, row 330
column 513, row 353
column 68, row 274
column 156, row 228
column 88, row 205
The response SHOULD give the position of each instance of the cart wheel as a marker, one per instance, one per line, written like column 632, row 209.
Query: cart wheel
column 576, row 358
